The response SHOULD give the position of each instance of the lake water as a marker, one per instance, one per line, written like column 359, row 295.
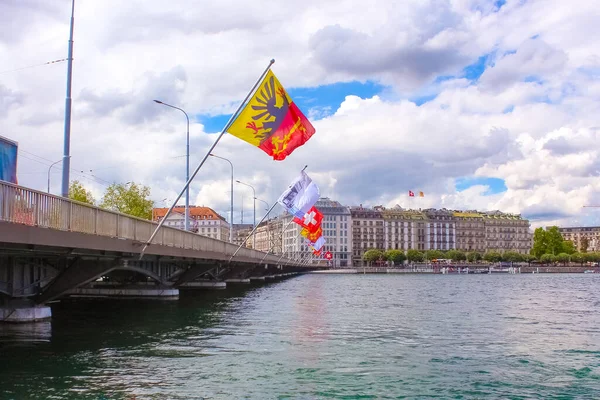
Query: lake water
column 317, row 336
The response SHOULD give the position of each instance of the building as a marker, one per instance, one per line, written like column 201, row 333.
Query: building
column 337, row 231
column 269, row 236
column 203, row 220
column 506, row 232
column 470, row 231
column 403, row 229
column 578, row 234
column 240, row 232
column 440, row 230
column 367, row 232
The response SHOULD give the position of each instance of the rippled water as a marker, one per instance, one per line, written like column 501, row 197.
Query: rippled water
column 336, row 336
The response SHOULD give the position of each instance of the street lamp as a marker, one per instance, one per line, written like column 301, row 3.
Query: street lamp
column 52, row 165
column 187, row 164
column 231, row 209
column 254, row 212
column 267, row 204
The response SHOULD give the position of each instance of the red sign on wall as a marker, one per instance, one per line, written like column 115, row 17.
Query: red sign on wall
column 328, row 255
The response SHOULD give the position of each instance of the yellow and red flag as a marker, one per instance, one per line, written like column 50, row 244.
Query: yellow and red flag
column 312, row 236
column 271, row 121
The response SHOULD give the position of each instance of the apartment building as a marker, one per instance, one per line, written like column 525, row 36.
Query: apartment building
column 440, row 230
column 506, row 232
column 577, row 234
column 203, row 220
column 337, row 231
column 269, row 236
column 470, row 231
column 367, row 232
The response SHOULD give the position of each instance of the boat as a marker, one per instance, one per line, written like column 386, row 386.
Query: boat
column 589, row 271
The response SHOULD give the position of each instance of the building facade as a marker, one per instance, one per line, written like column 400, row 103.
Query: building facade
column 578, row 234
column 506, row 232
column 269, row 236
column 470, row 231
column 367, row 232
column 203, row 220
column 337, row 231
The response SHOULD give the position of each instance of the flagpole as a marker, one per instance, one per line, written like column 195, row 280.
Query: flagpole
column 231, row 120
column 280, row 238
column 253, row 230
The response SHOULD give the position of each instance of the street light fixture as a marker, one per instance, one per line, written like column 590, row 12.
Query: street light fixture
column 52, row 165
column 187, row 164
column 254, row 212
column 231, row 209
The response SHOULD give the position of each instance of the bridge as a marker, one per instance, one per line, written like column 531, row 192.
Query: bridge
column 52, row 247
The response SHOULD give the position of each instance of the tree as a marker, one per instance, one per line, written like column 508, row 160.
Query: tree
column 129, row 199
column 568, row 247
column 373, row 255
column 492, row 256
column 547, row 258
column 513, row 256
column 578, row 258
column 395, row 256
column 554, row 240
column 414, row 256
column 540, row 242
column 585, row 243
column 563, row 258
column 474, row 256
column 529, row 258
column 455, row 255
column 79, row 193
column 433, row 254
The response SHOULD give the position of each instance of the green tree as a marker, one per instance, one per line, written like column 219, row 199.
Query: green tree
column 455, row 255
column 513, row 256
column 578, row 258
column 79, row 193
column 130, row 199
column 433, row 254
column 540, row 242
column 474, row 256
column 529, row 258
column 554, row 240
column 373, row 255
column 492, row 256
column 548, row 258
column 585, row 244
column 395, row 256
column 563, row 258
column 568, row 247
column 414, row 256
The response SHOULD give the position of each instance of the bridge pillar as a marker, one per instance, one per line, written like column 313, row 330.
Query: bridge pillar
column 23, row 310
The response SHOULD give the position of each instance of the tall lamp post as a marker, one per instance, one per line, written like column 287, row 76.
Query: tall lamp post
column 52, row 165
column 187, row 164
column 231, row 209
column 254, row 212
column 67, row 135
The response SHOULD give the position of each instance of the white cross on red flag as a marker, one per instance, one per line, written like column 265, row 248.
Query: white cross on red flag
column 311, row 220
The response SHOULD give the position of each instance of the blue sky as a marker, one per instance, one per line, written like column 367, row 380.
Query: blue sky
column 316, row 102
column 495, row 185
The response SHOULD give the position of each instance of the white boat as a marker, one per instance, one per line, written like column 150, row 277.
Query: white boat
column 589, row 271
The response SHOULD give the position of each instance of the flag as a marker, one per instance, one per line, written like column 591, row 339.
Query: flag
column 421, row 194
column 317, row 252
column 311, row 221
column 411, row 193
column 300, row 196
column 317, row 245
column 272, row 121
column 312, row 236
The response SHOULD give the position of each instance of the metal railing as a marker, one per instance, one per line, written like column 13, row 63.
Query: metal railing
column 21, row 205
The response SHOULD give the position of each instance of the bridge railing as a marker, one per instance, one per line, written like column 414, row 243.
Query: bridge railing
column 31, row 207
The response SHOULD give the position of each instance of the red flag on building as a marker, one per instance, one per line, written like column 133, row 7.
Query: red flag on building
column 411, row 193
column 311, row 221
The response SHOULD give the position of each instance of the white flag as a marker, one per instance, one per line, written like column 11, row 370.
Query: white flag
column 319, row 243
column 300, row 197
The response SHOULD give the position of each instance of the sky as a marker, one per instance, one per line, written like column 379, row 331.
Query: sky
column 480, row 104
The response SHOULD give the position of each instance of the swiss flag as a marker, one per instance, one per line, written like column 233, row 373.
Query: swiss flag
column 411, row 193
column 328, row 255
column 311, row 221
